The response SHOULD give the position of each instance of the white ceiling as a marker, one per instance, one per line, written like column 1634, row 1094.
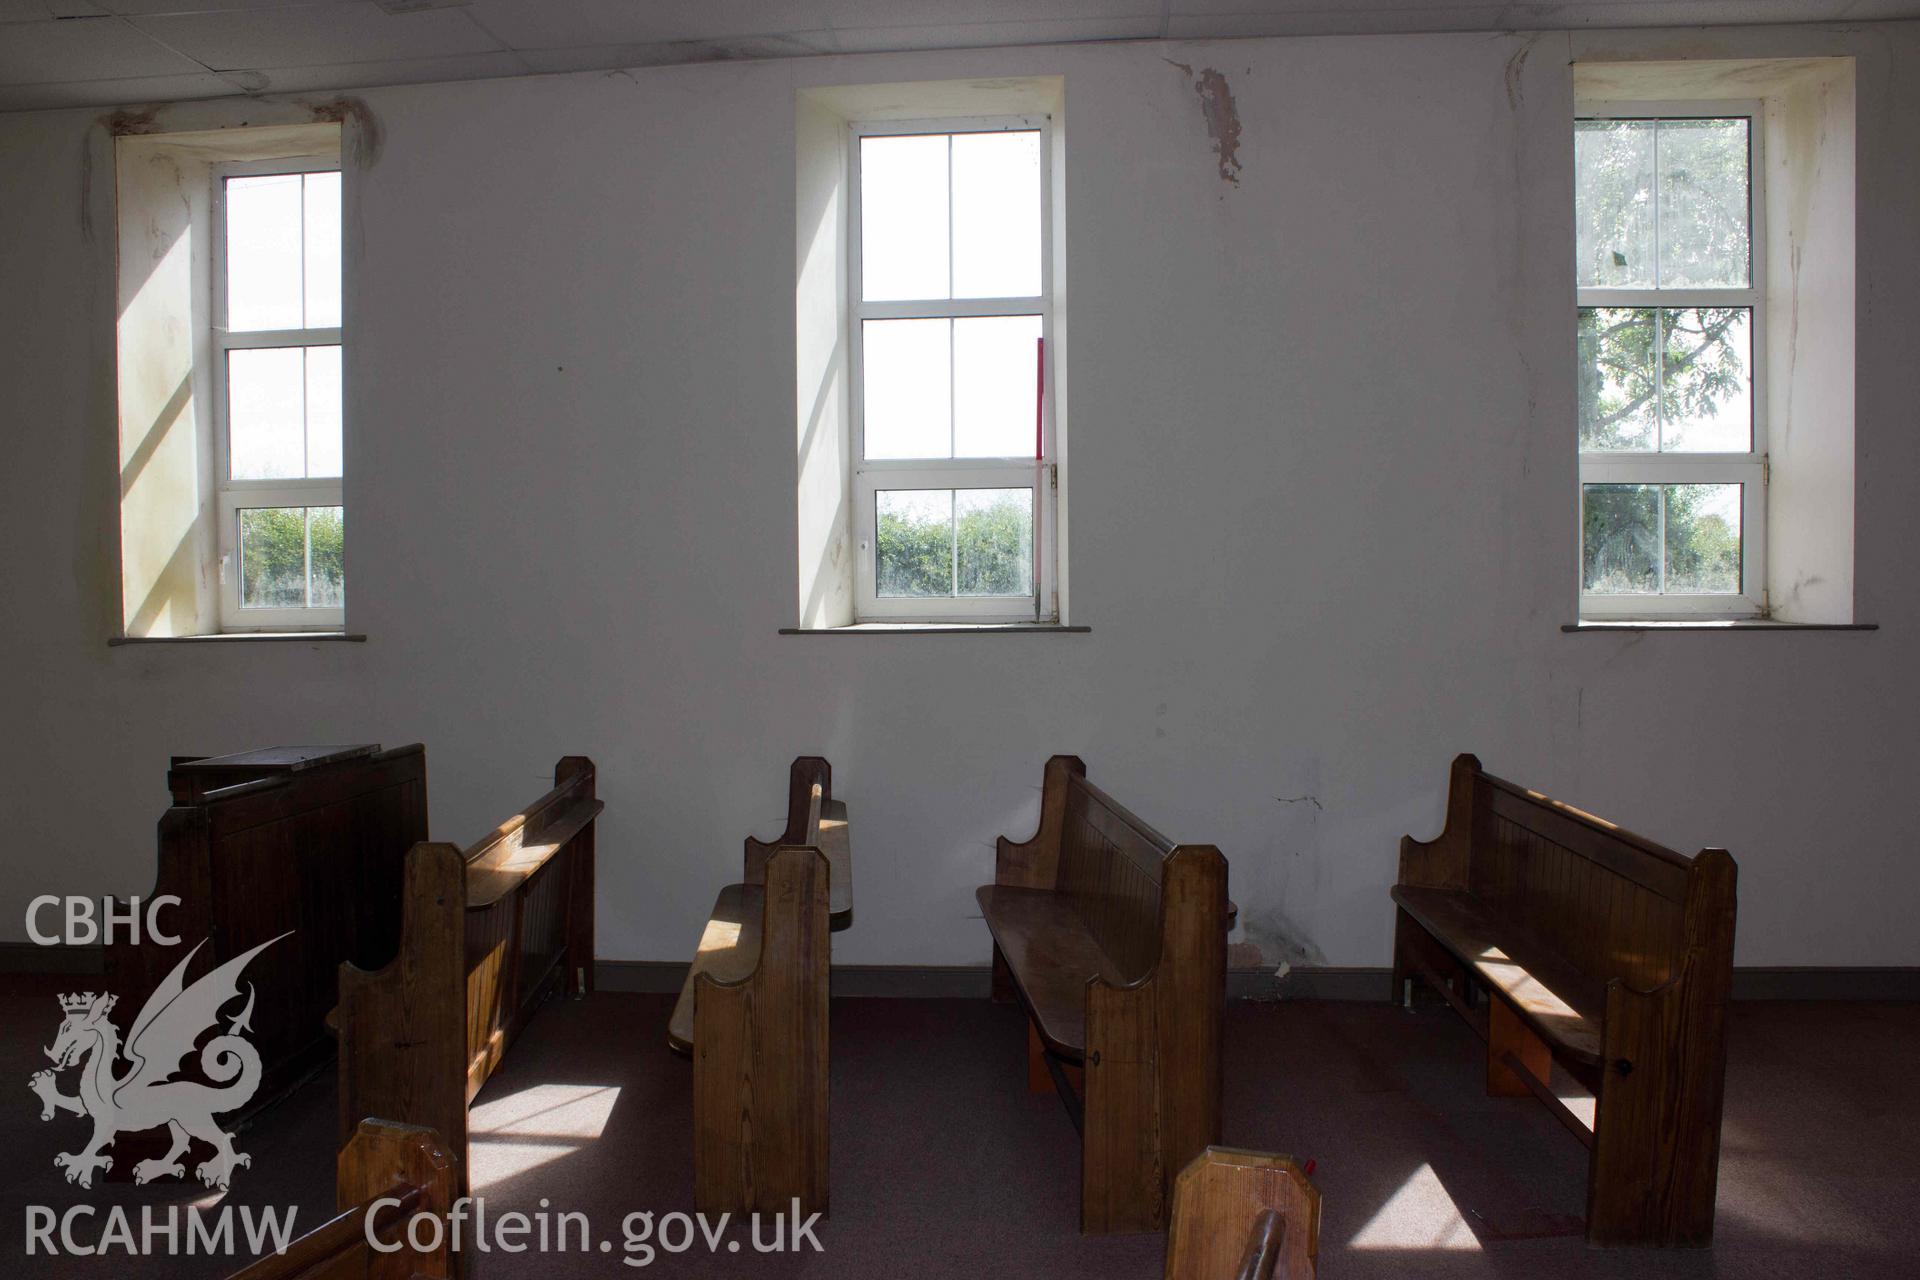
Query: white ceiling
column 59, row 53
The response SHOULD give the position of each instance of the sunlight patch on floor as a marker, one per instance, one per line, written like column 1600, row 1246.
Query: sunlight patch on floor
column 1420, row 1215
column 508, row 1136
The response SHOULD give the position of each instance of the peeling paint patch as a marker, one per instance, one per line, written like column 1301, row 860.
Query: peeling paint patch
column 1223, row 121
column 1221, row 116
column 127, row 122
column 364, row 139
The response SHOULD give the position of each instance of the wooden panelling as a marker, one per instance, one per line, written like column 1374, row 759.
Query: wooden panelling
column 304, row 845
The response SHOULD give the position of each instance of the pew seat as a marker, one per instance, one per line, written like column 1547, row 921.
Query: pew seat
column 1051, row 954
column 1558, row 1002
column 729, row 949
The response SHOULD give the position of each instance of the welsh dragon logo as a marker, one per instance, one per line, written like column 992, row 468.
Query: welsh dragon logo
column 146, row 1096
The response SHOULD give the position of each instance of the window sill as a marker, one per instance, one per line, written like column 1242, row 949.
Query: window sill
column 243, row 637
column 1740, row 624
column 938, row 629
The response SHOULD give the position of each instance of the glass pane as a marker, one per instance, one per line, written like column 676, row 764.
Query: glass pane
column 1708, row 398
column 913, row 543
column 1703, row 204
column 1703, row 539
column 322, row 235
column 326, row 532
column 1613, row 203
column 995, row 363
column 996, row 215
column 1620, row 549
column 266, row 416
column 263, row 252
column 907, row 381
column 323, row 411
column 273, row 558
column 1616, row 379
column 993, row 542
column 903, row 217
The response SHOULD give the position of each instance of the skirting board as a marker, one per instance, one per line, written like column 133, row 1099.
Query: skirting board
column 1319, row 983
column 973, row 982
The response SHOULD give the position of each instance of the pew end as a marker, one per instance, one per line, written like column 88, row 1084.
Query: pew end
column 1243, row 1215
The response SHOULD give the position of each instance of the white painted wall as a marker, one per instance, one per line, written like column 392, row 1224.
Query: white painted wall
column 1323, row 528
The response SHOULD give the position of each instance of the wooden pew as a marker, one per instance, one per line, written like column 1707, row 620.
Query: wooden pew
column 1115, row 941
column 383, row 1161
column 489, row 933
column 303, row 841
column 753, row 1011
column 1597, row 949
column 1243, row 1215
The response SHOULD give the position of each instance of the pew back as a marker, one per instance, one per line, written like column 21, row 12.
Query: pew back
column 1111, row 866
column 1608, row 902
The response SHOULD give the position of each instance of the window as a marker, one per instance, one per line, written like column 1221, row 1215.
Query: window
column 955, row 475
column 277, row 394
column 1671, row 355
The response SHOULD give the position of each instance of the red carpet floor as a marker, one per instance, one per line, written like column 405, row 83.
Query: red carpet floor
column 944, row 1166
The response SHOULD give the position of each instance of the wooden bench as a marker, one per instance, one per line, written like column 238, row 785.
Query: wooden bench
column 489, row 933
column 307, row 842
column 753, row 1011
column 383, row 1162
column 1596, row 949
column 1243, row 1215
column 1115, row 942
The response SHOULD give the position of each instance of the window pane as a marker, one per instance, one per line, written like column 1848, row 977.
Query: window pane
column 273, row 558
column 995, row 362
column 903, row 217
column 266, row 417
column 1703, row 539
column 907, row 382
column 323, row 411
column 1621, row 539
column 996, row 215
column 1613, row 203
column 993, row 533
column 263, row 252
column 913, row 544
column 1708, row 399
column 322, row 236
column 1616, row 379
column 1703, row 204
column 326, row 532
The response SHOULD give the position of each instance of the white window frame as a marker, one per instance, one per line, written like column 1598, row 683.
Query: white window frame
column 1041, row 474
column 237, row 495
column 1749, row 470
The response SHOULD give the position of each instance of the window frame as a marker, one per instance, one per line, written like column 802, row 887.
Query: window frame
column 1039, row 474
column 233, row 496
column 1751, row 469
